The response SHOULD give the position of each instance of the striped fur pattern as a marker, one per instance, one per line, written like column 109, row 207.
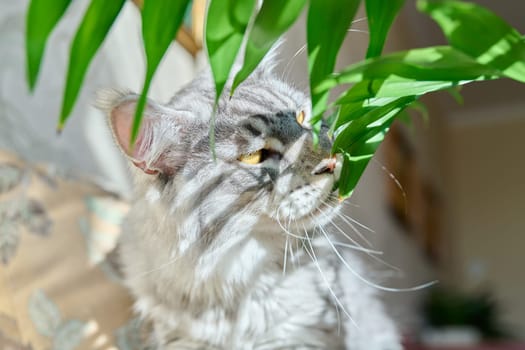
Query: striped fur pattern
column 220, row 254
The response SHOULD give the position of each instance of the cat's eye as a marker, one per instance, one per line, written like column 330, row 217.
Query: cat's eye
column 257, row 157
column 252, row 157
column 300, row 117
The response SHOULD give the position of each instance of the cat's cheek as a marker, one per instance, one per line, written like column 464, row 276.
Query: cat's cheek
column 323, row 184
column 284, row 185
column 152, row 195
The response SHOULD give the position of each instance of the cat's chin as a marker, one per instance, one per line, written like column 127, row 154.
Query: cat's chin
column 307, row 214
column 320, row 215
column 308, row 203
column 301, row 226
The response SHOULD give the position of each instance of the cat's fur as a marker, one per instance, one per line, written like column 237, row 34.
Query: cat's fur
column 204, row 245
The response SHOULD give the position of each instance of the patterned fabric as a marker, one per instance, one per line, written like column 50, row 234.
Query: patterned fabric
column 58, row 289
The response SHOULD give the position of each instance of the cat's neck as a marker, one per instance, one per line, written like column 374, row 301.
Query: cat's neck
column 214, row 264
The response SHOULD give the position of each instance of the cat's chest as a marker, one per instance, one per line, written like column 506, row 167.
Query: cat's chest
column 198, row 276
column 236, row 305
column 229, row 291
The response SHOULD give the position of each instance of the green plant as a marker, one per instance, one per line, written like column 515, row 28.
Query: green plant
column 445, row 308
column 482, row 46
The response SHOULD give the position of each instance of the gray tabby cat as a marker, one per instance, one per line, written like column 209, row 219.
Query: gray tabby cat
column 238, row 252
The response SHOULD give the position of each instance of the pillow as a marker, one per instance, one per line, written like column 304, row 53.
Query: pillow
column 58, row 289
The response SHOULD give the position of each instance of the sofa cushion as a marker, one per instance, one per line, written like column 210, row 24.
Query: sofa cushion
column 58, row 290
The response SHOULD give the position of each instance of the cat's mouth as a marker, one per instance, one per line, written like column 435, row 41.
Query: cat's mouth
column 308, row 203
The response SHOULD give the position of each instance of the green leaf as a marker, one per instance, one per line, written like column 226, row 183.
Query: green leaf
column 358, row 139
column 351, row 110
column 225, row 27
column 274, row 18
column 380, row 15
column 375, row 120
column 393, row 88
column 440, row 65
column 353, row 168
column 480, row 34
column 385, row 86
column 160, row 21
column 327, row 26
column 42, row 17
column 420, row 108
column 455, row 92
column 92, row 31
column 226, row 24
column 357, row 158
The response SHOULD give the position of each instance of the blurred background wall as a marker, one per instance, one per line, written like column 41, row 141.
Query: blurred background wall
column 473, row 154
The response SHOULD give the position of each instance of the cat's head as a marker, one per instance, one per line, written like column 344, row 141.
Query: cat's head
column 265, row 161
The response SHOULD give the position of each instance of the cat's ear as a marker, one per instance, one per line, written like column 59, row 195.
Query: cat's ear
column 147, row 152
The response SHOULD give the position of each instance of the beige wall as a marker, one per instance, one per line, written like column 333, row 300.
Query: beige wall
column 474, row 155
column 486, row 195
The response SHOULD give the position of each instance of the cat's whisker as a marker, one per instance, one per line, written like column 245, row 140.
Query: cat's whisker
column 347, row 217
column 360, row 20
column 376, row 258
column 358, row 248
column 159, row 268
column 312, row 255
column 286, row 230
column 370, row 283
column 343, row 232
column 396, row 182
column 289, row 247
column 289, row 217
column 293, row 256
column 348, row 203
column 297, row 247
column 332, row 201
column 164, row 265
column 397, row 270
column 285, row 255
column 287, row 69
column 358, row 31
column 349, row 221
column 291, row 234
column 286, row 243
column 346, row 220
column 352, row 226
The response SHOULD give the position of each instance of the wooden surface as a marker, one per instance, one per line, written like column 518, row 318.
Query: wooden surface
column 487, row 346
column 190, row 38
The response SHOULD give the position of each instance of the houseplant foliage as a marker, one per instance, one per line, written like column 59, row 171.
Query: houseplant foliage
column 481, row 46
column 445, row 308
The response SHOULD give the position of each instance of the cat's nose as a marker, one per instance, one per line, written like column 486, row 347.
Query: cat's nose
column 326, row 166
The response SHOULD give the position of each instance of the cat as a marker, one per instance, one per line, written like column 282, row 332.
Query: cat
column 232, row 247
